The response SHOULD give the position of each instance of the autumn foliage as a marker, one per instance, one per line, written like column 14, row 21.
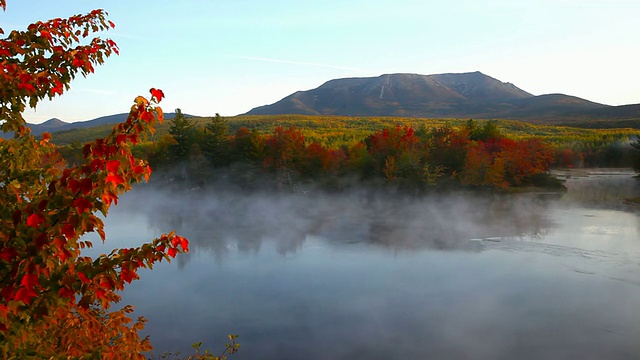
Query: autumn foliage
column 401, row 156
column 56, row 302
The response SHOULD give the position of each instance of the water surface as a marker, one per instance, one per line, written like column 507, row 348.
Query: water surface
column 383, row 276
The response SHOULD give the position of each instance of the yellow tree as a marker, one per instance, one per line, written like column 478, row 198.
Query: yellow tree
column 55, row 302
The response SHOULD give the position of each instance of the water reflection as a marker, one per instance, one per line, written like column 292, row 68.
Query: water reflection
column 362, row 275
column 217, row 222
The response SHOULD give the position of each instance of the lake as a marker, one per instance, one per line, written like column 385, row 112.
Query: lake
column 385, row 276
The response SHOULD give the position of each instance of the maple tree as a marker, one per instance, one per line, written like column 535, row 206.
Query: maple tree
column 56, row 302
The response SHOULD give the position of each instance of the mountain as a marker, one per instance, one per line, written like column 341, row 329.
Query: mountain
column 55, row 125
column 460, row 95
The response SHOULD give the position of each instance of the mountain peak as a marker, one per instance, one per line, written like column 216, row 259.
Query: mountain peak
column 54, row 122
column 399, row 94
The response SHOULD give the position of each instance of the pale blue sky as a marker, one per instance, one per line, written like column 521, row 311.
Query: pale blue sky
column 228, row 56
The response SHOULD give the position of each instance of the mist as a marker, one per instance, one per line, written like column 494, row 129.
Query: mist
column 383, row 274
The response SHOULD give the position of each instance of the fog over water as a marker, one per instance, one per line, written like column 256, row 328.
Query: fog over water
column 365, row 275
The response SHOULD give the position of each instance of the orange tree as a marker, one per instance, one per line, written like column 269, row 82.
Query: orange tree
column 55, row 302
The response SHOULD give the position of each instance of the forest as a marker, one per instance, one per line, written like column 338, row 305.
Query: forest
column 289, row 151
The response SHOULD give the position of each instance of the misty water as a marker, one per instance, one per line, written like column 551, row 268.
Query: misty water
column 310, row 275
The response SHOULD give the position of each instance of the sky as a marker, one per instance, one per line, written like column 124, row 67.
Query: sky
column 229, row 56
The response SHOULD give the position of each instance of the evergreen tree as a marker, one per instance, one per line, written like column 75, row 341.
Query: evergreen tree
column 216, row 141
column 182, row 130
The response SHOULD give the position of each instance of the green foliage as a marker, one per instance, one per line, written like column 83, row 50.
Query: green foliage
column 182, row 130
column 216, row 141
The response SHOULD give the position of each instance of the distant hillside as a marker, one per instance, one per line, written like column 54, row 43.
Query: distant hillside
column 465, row 95
column 56, row 125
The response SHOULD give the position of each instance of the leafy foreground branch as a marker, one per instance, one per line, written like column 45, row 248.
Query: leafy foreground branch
column 230, row 348
column 56, row 302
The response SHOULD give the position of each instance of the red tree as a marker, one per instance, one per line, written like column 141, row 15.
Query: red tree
column 55, row 301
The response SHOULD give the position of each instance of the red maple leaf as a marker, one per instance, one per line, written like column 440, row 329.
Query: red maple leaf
column 7, row 254
column 109, row 197
column 68, row 230
column 115, row 179
column 86, row 185
column 25, row 295
column 83, row 278
column 128, row 275
column 157, row 94
column 34, row 220
column 66, row 293
column 29, row 280
column 82, row 205
column 185, row 244
column 113, row 166
column 146, row 116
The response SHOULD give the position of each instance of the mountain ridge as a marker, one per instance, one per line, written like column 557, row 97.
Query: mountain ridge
column 55, row 125
column 457, row 95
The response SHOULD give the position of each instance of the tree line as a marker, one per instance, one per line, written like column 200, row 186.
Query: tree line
column 476, row 155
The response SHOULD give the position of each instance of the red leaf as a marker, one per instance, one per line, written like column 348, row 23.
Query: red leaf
column 78, row 62
column 185, row 244
column 175, row 241
column 63, row 255
column 157, row 94
column 66, row 293
column 73, row 185
column 147, row 116
column 95, row 164
column 26, row 86
column 172, row 252
column 43, row 204
column 82, row 205
column 25, row 295
column 101, row 294
column 29, row 280
column 109, row 197
column 128, row 275
column 57, row 88
column 83, row 278
column 69, row 231
column 121, row 138
column 41, row 240
column 86, row 185
column 8, row 254
column 115, row 179
column 34, row 220
column 113, row 166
